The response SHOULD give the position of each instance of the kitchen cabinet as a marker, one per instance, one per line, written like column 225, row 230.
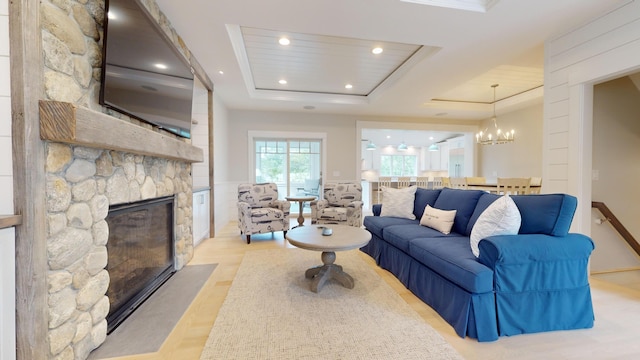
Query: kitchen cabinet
column 430, row 160
column 444, row 156
column 456, row 157
column 200, row 215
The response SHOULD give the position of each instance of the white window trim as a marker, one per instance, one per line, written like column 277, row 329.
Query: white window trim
column 253, row 135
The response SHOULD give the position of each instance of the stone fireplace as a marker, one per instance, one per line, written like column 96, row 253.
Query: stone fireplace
column 82, row 183
column 94, row 158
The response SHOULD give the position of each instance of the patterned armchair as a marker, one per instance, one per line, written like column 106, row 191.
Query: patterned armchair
column 342, row 204
column 260, row 211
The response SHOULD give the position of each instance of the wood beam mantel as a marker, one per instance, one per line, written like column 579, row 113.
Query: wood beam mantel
column 66, row 123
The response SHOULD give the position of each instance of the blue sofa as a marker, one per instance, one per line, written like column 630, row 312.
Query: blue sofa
column 531, row 282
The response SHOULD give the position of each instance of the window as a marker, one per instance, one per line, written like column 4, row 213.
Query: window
column 398, row 165
column 290, row 163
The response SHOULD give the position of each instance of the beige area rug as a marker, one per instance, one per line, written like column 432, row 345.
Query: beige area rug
column 270, row 313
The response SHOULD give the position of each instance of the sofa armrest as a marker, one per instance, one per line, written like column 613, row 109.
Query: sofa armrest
column 283, row 205
column 516, row 249
column 244, row 213
column 377, row 209
column 316, row 206
column 357, row 204
column 529, row 262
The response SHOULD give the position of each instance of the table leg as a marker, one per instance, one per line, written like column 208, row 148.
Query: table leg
column 321, row 274
column 300, row 217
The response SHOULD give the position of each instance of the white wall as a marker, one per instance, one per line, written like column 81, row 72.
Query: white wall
column 7, row 236
column 200, row 134
column 523, row 157
column 616, row 162
column 603, row 49
column 342, row 159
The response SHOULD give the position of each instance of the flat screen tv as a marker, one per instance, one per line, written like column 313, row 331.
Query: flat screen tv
column 143, row 74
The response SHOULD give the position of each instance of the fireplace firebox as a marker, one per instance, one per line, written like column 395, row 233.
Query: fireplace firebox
column 140, row 252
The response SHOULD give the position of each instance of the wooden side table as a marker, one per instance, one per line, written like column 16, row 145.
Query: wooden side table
column 300, row 200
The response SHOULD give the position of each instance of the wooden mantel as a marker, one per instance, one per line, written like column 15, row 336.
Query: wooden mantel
column 66, row 123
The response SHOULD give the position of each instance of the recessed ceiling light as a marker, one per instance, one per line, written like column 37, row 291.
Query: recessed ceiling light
column 160, row 66
column 388, row 136
column 282, row 82
column 284, row 41
column 111, row 15
column 430, row 137
column 441, row 114
column 348, row 86
column 377, row 50
column 308, row 107
column 221, row 72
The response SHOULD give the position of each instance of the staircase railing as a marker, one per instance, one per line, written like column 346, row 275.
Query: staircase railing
column 617, row 225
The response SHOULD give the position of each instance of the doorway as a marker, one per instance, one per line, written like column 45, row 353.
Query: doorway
column 294, row 164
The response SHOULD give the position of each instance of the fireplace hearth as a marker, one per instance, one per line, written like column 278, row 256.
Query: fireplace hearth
column 140, row 254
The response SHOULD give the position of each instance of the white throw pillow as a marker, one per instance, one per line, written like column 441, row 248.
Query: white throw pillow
column 502, row 217
column 441, row 220
column 398, row 202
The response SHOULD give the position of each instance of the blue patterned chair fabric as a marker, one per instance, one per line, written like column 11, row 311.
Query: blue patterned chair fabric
column 260, row 211
column 342, row 204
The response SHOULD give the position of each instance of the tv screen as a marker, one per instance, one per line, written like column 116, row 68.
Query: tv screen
column 143, row 74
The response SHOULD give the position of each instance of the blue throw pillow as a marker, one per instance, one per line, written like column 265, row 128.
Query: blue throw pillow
column 463, row 201
column 424, row 197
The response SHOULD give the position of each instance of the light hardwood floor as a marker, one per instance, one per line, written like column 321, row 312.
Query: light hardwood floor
column 614, row 336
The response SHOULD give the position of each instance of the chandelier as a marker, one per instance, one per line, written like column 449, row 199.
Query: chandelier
column 496, row 136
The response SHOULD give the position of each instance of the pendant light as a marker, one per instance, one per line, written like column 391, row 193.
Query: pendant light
column 371, row 146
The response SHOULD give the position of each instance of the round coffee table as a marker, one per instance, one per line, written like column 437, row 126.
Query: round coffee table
column 343, row 238
column 300, row 200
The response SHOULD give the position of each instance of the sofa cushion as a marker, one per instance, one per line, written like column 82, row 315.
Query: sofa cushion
column 441, row 220
column 423, row 198
column 451, row 257
column 502, row 217
column 375, row 224
column 400, row 235
column 398, row 202
column 549, row 214
column 463, row 201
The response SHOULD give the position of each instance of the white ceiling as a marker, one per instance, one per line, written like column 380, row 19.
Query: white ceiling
column 475, row 50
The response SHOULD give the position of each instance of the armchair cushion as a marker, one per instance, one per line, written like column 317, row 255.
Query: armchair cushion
column 341, row 194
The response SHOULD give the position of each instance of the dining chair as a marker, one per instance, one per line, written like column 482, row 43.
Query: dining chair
column 513, row 186
column 403, row 182
column 536, row 185
column 383, row 181
column 458, row 183
column 438, row 182
column 476, row 180
column 422, row 182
